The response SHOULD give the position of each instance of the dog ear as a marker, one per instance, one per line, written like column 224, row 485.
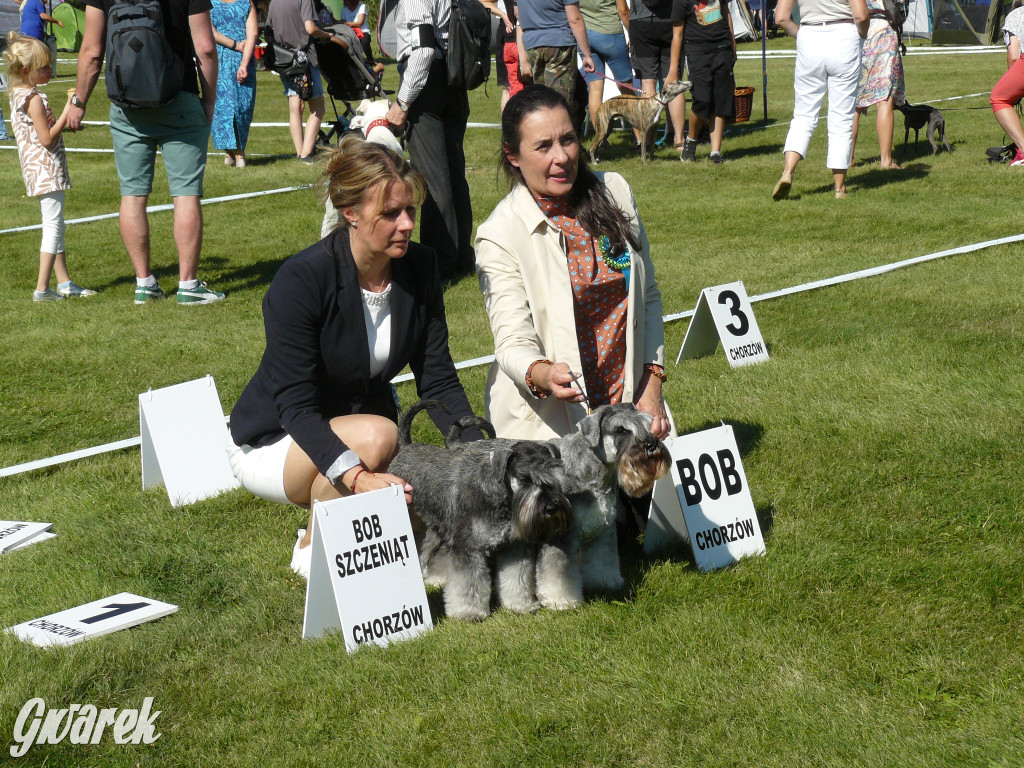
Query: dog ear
column 500, row 459
column 590, row 428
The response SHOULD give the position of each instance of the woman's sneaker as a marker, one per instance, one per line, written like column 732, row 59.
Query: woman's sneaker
column 201, row 294
column 145, row 293
column 1018, row 159
column 74, row 289
column 46, row 295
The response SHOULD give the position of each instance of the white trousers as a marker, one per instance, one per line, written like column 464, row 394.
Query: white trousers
column 52, row 207
column 827, row 60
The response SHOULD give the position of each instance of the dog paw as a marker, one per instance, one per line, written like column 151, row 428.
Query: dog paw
column 560, row 603
column 468, row 614
column 433, row 579
column 522, row 606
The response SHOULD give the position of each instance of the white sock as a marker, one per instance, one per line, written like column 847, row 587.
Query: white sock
column 146, row 282
column 64, row 285
column 188, row 285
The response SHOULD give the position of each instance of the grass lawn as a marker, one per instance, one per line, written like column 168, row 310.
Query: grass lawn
column 882, row 444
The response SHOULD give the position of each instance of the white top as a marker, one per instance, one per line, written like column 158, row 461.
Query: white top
column 347, row 16
column 377, row 314
column 817, row 11
column 1014, row 25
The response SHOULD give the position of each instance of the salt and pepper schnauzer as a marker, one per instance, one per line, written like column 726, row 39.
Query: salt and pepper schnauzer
column 613, row 449
column 478, row 498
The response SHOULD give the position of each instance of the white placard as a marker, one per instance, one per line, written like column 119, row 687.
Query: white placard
column 183, row 438
column 100, row 617
column 724, row 314
column 705, row 499
column 45, row 536
column 14, row 533
column 365, row 576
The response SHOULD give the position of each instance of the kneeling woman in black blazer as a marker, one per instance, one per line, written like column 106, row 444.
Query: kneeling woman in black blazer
column 343, row 317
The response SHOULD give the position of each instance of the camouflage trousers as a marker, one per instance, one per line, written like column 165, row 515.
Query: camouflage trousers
column 556, row 68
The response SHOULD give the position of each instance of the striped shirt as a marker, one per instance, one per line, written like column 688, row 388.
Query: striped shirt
column 417, row 59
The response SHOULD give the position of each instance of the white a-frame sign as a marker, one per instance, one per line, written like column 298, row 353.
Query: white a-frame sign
column 364, row 578
column 724, row 314
column 183, row 441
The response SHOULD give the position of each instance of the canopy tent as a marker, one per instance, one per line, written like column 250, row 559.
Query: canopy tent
column 69, row 37
column 966, row 22
column 919, row 19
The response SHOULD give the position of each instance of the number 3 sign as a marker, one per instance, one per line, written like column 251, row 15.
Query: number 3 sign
column 724, row 314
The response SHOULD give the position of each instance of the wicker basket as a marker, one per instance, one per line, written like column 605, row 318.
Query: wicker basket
column 743, row 103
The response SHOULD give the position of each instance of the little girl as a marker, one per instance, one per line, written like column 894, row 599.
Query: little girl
column 43, row 160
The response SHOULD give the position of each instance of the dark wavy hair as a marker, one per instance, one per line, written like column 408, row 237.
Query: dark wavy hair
column 593, row 205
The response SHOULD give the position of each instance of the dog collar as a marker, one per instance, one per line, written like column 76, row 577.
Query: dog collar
column 380, row 121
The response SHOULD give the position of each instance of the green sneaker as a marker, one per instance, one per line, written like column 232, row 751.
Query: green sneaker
column 201, row 294
column 144, row 293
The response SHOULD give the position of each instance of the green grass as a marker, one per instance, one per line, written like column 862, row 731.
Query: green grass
column 882, row 444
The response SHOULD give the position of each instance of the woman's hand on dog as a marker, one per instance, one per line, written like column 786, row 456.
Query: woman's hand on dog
column 367, row 481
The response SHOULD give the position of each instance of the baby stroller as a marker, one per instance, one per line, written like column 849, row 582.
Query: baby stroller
column 349, row 78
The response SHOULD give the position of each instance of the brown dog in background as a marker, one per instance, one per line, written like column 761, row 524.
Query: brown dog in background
column 642, row 112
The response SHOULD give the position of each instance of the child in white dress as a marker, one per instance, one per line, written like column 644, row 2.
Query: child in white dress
column 44, row 162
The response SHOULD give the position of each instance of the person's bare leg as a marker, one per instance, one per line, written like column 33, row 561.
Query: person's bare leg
column 373, row 438
column 786, row 180
column 295, row 105
column 316, row 116
column 1010, row 123
column 60, row 268
column 45, row 270
column 677, row 111
column 856, row 125
column 135, row 232
column 839, row 180
column 595, row 97
column 188, row 234
column 884, row 123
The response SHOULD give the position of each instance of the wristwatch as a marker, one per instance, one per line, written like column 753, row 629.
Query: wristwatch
column 402, row 105
column 77, row 101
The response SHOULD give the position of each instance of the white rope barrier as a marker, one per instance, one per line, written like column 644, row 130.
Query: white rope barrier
column 477, row 361
column 166, row 207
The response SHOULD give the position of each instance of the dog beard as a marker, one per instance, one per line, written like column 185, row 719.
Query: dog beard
column 640, row 464
column 539, row 517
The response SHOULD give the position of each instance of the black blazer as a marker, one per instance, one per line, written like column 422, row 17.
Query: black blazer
column 317, row 362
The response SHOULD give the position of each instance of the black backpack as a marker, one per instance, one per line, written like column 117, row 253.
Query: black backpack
column 469, row 45
column 143, row 71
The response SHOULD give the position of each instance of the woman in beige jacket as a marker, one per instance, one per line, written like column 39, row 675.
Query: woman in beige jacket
column 565, row 269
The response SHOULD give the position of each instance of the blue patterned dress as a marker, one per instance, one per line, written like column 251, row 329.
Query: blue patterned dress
column 235, row 101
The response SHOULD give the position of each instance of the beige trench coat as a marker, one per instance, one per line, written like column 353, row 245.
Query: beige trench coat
column 521, row 265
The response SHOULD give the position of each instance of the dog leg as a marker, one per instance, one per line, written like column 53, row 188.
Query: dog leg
column 559, row 586
column 601, row 123
column 515, row 577
column 467, row 589
column 599, row 562
column 433, row 559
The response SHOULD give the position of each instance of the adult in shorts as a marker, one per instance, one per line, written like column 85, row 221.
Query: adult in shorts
column 605, row 20
column 180, row 130
column 650, row 40
column 343, row 318
column 295, row 24
column 1008, row 92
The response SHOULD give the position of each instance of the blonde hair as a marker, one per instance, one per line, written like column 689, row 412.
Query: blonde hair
column 24, row 55
column 358, row 166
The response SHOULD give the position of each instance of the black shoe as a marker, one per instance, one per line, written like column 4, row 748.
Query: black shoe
column 689, row 151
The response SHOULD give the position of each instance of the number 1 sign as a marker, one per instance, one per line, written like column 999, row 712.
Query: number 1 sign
column 99, row 617
column 724, row 313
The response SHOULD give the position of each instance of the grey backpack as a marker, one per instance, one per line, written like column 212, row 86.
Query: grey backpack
column 143, row 71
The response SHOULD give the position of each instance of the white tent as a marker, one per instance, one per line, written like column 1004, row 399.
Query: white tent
column 919, row 19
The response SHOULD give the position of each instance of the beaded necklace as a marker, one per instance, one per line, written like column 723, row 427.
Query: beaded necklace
column 619, row 263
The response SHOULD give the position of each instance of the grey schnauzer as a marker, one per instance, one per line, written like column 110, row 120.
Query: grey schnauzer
column 612, row 449
column 479, row 498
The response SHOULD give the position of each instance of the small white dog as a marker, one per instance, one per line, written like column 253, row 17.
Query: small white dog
column 370, row 121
